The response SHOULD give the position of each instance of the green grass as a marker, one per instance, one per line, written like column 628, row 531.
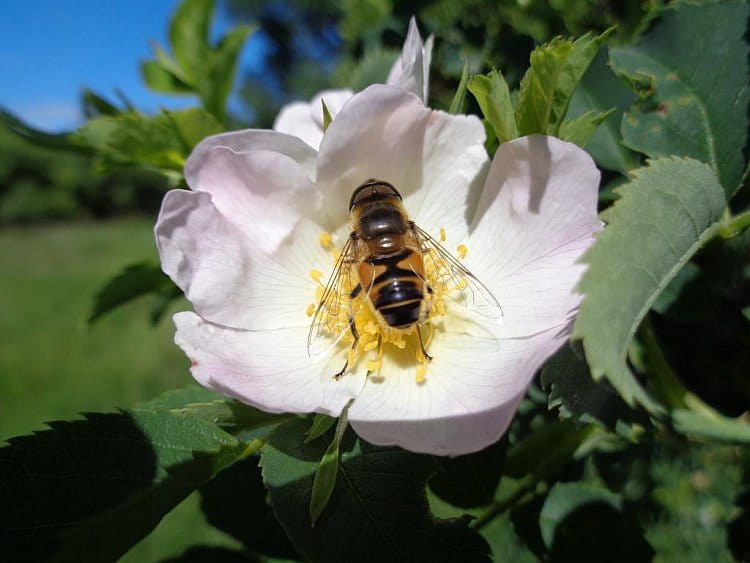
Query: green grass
column 53, row 365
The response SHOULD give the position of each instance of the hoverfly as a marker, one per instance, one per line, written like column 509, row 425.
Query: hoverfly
column 389, row 263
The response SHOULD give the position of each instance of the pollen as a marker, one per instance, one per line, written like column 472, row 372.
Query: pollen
column 316, row 275
column 462, row 250
column 326, row 240
column 310, row 309
column 442, row 234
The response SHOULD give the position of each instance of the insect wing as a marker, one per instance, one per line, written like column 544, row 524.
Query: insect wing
column 330, row 321
column 462, row 287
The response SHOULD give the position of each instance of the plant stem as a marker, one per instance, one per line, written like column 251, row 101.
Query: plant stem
column 734, row 226
column 498, row 507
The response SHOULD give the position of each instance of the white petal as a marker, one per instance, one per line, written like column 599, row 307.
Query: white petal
column 226, row 276
column 434, row 159
column 269, row 370
column 264, row 193
column 411, row 69
column 467, row 400
column 297, row 119
column 537, row 215
column 253, row 140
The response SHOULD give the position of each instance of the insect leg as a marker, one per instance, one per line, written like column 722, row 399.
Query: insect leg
column 421, row 343
column 353, row 328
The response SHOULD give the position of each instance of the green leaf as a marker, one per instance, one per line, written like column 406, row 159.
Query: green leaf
column 325, row 476
column 457, row 104
column 692, row 73
column 321, row 424
column 134, row 281
column 58, row 141
column 576, row 394
column 179, row 398
column 216, row 84
column 160, row 79
column 581, row 55
column 88, row 490
column 565, row 498
column 469, row 481
column 582, row 128
column 556, row 69
column 95, row 105
column 547, row 449
column 194, row 125
column 600, row 90
column 536, row 96
column 326, row 115
column 667, row 212
column 492, row 95
column 378, row 510
column 188, row 36
column 235, row 502
column 711, row 426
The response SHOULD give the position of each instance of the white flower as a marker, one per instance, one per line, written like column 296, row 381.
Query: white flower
column 411, row 71
column 248, row 242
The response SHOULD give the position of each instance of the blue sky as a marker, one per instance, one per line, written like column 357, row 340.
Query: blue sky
column 51, row 49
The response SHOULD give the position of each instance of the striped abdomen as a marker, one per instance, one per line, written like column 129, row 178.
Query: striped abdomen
column 396, row 286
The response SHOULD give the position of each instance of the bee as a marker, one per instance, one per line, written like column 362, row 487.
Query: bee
column 384, row 263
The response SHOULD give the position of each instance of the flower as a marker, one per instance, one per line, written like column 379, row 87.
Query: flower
column 411, row 71
column 251, row 242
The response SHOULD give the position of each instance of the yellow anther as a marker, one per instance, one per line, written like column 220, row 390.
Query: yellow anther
column 370, row 346
column 371, row 328
column 374, row 365
column 442, row 234
column 311, row 309
column 316, row 275
column 326, row 240
column 462, row 250
column 421, row 373
column 319, row 293
column 462, row 284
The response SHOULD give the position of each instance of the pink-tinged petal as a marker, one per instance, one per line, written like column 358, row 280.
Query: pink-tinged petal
column 269, row 370
column 467, row 400
column 388, row 134
column 536, row 217
column 411, row 70
column 226, row 276
column 264, row 193
column 297, row 119
column 253, row 140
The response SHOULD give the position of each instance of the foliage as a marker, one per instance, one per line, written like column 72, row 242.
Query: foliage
column 635, row 447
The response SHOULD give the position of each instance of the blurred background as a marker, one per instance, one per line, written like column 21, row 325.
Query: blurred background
column 69, row 221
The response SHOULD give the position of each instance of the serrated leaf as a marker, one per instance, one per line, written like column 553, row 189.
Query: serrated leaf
column 600, row 90
column 667, row 212
column 161, row 79
column 537, row 91
column 581, row 55
column 580, row 129
column 179, row 398
column 188, row 36
column 457, row 104
column 565, row 498
column 95, row 105
column 378, row 510
column 88, row 490
column 235, row 502
column 492, row 95
column 693, row 71
column 134, row 281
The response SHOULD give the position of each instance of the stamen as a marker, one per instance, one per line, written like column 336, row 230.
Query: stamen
column 442, row 234
column 326, row 240
column 462, row 250
column 316, row 275
column 311, row 309
column 374, row 365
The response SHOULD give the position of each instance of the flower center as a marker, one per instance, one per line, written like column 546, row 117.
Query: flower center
column 343, row 316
